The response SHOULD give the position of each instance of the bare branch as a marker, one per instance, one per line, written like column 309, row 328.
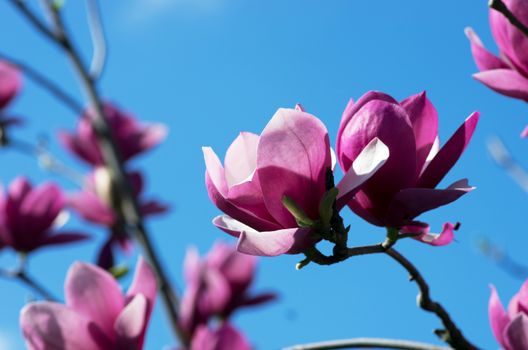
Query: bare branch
column 98, row 39
column 367, row 343
column 504, row 159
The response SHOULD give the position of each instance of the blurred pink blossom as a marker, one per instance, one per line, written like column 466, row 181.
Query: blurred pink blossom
column 225, row 337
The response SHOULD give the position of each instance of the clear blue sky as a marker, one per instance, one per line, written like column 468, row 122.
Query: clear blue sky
column 212, row 68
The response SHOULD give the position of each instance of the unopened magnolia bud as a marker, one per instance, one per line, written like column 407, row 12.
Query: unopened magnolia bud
column 104, row 184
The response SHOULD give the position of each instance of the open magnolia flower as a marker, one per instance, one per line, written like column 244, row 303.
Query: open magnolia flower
column 510, row 328
column 30, row 216
column 291, row 158
column 131, row 137
column 97, row 316
column 405, row 187
column 508, row 73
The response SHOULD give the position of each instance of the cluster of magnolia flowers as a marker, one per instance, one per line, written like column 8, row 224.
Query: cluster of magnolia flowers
column 278, row 193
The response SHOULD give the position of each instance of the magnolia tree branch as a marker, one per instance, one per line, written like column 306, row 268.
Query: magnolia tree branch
column 31, row 283
column 502, row 156
column 128, row 204
column 98, row 38
column 367, row 343
column 70, row 102
column 500, row 6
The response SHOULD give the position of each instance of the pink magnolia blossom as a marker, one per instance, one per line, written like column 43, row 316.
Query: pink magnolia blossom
column 510, row 328
column 94, row 204
column 217, row 285
column 131, row 137
column 96, row 316
column 225, row 337
column 508, row 73
column 10, row 83
column 405, row 186
column 28, row 217
column 290, row 158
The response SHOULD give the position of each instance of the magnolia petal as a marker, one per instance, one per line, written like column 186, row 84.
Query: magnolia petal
column 484, row 59
column 411, row 202
column 237, row 268
column 273, row 243
column 497, row 316
column 131, row 323
column 64, row 237
column 516, row 333
column 91, row 208
column 293, row 157
column 214, row 170
column 241, row 159
column 40, row 208
column 424, row 120
column 422, row 234
column 373, row 156
column 505, row 81
column 10, row 83
column 224, row 338
column 93, row 292
column 448, row 155
column 151, row 136
column 48, row 325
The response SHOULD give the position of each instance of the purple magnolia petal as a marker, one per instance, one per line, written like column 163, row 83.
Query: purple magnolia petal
column 390, row 123
column 153, row 207
column 484, row 59
column 497, row 316
column 131, row 323
column 449, row 153
column 224, row 338
column 217, row 190
column 423, row 235
column 237, row 268
column 292, row 159
column 259, row 299
column 152, row 136
column 519, row 302
column 516, row 333
column 505, row 81
column 350, row 111
column 47, row 325
column 10, row 83
column 525, row 132
column 371, row 158
column 144, row 283
column 424, row 120
column 105, row 257
column 64, row 237
column 40, row 208
column 411, row 202
column 91, row 208
column 273, row 243
column 93, row 292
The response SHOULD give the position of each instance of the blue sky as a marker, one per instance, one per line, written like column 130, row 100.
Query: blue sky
column 211, row 68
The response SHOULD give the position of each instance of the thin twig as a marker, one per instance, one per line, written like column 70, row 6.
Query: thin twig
column 367, row 343
column 33, row 18
column 98, row 39
column 45, row 82
column 500, row 6
column 29, row 282
column 500, row 154
column 128, row 203
column 452, row 335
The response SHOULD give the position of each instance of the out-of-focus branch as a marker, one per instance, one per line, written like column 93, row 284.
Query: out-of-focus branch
column 502, row 259
column 500, row 6
column 31, row 283
column 127, row 202
column 98, row 39
column 46, row 83
column 367, row 343
column 504, row 159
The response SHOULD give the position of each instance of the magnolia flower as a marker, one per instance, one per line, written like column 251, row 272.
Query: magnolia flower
column 96, row 316
column 95, row 203
column 290, row 158
column 405, row 186
column 225, row 337
column 510, row 328
column 131, row 137
column 507, row 74
column 217, row 285
column 29, row 216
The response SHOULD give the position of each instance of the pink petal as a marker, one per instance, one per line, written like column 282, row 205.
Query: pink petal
column 64, row 237
column 144, row 283
column 435, row 239
column 484, row 59
column 371, row 158
column 224, row 338
column 525, row 132
column 292, row 159
column 241, row 159
column 131, row 324
column 411, row 202
column 505, row 81
column 448, row 155
column 237, row 268
column 153, row 207
column 516, row 333
column 152, row 135
column 519, row 302
column 424, row 120
column 40, row 208
column 273, row 243
column 10, row 83
column 497, row 316
column 47, row 325
column 93, row 292
column 91, row 208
